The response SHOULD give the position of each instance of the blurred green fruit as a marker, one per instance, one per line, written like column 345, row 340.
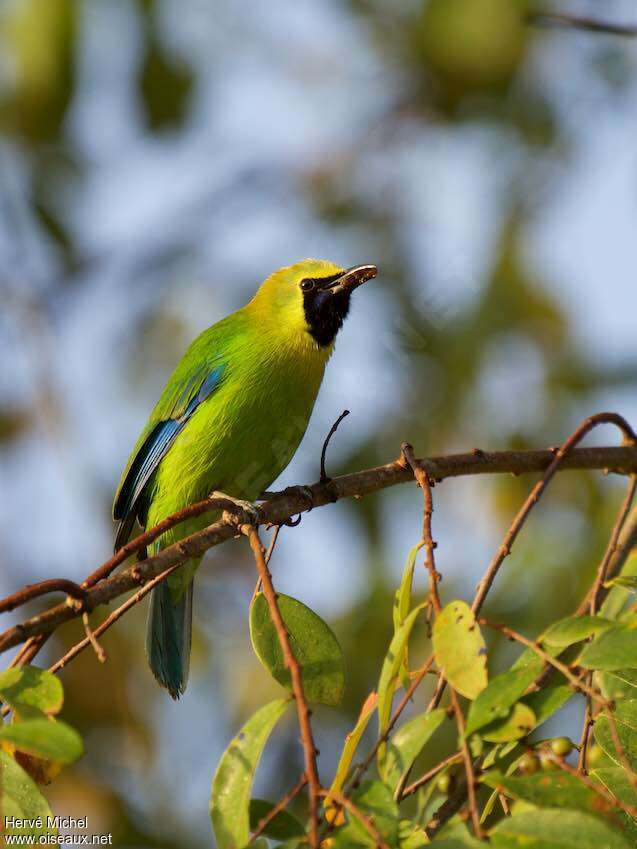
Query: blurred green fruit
column 472, row 44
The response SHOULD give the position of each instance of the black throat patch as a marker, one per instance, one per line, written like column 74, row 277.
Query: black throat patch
column 325, row 310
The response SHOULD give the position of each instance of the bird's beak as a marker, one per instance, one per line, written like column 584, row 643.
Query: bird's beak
column 354, row 277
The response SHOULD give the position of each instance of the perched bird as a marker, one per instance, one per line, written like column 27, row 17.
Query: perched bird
column 230, row 419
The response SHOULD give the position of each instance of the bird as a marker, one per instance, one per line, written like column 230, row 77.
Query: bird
column 229, row 420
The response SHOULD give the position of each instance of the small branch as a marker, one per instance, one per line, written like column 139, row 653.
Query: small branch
column 555, row 19
column 364, row 820
column 432, row 773
column 613, row 543
column 31, row 591
column 425, row 485
column 538, row 490
column 280, row 806
column 110, row 620
column 324, row 476
column 468, row 766
column 407, row 696
column 99, row 651
column 292, row 664
column 577, row 683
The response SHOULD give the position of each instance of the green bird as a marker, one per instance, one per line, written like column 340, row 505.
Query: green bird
column 230, row 419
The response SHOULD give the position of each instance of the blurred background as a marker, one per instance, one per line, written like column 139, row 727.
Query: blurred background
column 158, row 158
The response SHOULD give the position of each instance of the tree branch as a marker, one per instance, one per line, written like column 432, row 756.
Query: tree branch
column 283, row 506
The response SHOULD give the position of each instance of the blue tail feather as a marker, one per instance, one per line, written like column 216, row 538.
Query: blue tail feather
column 168, row 638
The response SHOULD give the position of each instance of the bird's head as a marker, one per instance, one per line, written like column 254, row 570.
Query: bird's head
column 312, row 297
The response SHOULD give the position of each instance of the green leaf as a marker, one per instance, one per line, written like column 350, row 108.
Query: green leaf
column 282, row 827
column 313, row 644
column 618, row 596
column 31, row 690
column 548, row 829
column 626, row 582
column 616, row 781
column 402, row 604
column 232, row 783
column 551, row 790
column 44, row 738
column 375, row 800
column 351, row 744
column 407, row 743
column 619, row 684
column 566, row 632
column 614, row 649
column 411, row 835
column 402, row 601
column 547, row 701
column 460, row 650
column 495, row 701
column 21, row 798
column 625, row 717
column 455, row 835
column 391, row 664
column 519, row 723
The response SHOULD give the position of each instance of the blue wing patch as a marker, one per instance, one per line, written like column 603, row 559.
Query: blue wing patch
column 153, row 450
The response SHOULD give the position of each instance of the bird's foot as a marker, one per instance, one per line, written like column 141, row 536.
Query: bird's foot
column 303, row 492
column 243, row 511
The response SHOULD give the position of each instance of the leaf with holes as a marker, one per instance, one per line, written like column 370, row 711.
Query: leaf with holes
column 460, row 649
column 313, row 644
column 232, row 783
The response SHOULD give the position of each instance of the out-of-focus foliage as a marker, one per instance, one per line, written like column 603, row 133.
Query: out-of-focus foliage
column 157, row 160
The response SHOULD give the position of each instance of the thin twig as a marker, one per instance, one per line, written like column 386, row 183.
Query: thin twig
column 356, row 812
column 291, row 663
column 432, row 773
column 613, row 542
column 581, row 23
column 110, row 620
column 538, row 490
column 595, row 786
column 578, row 684
column 425, row 485
column 31, row 591
column 324, row 476
column 99, row 651
column 280, row 806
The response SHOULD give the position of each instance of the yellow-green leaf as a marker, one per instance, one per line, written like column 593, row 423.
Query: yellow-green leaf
column 519, row 723
column 232, row 783
column 45, row 738
column 21, row 798
column 391, row 665
column 351, row 744
column 460, row 649
column 31, row 690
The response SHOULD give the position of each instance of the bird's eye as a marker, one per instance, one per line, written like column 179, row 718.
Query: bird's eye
column 306, row 285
